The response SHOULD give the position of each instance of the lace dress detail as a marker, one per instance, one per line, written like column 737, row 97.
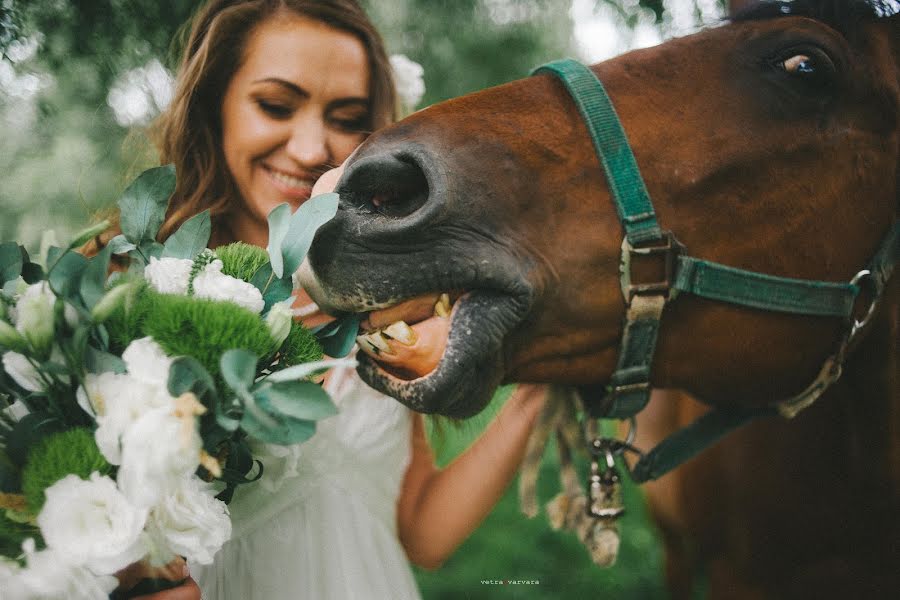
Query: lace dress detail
column 321, row 523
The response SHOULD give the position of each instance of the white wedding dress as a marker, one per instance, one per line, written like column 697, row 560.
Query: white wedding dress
column 321, row 522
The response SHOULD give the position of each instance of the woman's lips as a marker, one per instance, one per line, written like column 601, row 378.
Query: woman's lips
column 291, row 186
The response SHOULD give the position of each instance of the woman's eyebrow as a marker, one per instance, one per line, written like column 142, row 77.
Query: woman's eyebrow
column 284, row 83
column 351, row 101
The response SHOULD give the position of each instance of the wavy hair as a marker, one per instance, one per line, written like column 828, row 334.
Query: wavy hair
column 188, row 134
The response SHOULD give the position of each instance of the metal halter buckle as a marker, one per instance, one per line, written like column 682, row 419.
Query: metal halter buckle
column 604, row 481
column 668, row 251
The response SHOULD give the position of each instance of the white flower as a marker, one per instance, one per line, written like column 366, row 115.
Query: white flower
column 22, row 371
column 279, row 320
column 50, row 576
column 159, row 451
column 147, row 362
column 117, row 401
column 193, row 523
column 169, row 275
column 215, row 285
column 92, row 523
column 408, row 80
column 17, row 410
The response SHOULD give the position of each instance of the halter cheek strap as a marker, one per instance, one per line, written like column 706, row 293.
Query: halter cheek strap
column 628, row 390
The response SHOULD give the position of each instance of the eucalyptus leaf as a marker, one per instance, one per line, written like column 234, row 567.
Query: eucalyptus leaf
column 238, row 368
column 305, row 221
column 65, row 273
column 277, row 431
column 279, row 223
column 297, row 399
column 190, row 239
column 10, row 262
column 273, row 289
column 32, row 272
column 337, row 338
column 300, row 372
column 98, row 361
column 143, row 204
column 120, row 245
column 93, row 280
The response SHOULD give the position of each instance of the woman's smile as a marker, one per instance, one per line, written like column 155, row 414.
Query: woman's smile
column 294, row 187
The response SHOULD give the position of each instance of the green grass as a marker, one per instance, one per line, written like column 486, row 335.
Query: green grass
column 510, row 546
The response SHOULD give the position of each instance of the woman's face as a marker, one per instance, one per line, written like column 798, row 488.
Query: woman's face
column 297, row 106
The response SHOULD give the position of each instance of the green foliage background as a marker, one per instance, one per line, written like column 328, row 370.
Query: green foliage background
column 63, row 158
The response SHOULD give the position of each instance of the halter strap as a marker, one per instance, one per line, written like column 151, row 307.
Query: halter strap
column 629, row 389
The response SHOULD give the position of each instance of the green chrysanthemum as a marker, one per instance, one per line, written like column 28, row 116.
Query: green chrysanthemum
column 72, row 452
column 241, row 260
column 126, row 324
column 203, row 329
column 300, row 347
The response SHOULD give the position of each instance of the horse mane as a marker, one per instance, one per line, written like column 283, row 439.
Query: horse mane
column 841, row 15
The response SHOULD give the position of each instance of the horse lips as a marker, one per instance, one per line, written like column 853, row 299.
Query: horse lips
column 408, row 351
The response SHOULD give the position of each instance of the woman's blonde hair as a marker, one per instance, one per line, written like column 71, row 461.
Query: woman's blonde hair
column 188, row 133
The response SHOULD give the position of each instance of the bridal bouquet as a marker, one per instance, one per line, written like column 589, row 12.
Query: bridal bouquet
column 126, row 399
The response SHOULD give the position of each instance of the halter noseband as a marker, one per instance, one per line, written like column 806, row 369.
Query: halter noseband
column 628, row 390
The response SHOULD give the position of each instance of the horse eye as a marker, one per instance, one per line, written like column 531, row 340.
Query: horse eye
column 809, row 66
column 799, row 63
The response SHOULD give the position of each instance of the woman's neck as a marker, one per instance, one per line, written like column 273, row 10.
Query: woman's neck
column 249, row 230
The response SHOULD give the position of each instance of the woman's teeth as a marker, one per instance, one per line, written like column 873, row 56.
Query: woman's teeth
column 379, row 341
column 291, row 181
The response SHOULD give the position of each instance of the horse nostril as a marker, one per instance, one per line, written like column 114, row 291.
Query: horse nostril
column 384, row 185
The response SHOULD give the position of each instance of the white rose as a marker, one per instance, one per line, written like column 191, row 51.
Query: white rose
column 91, row 523
column 159, row 451
column 117, row 401
column 11, row 580
column 408, row 80
column 22, row 371
column 147, row 362
column 34, row 316
column 215, row 285
column 50, row 576
column 169, row 275
column 193, row 523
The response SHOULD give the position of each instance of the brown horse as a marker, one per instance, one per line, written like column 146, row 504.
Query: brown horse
column 772, row 144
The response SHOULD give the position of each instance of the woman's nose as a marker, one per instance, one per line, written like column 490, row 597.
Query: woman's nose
column 308, row 144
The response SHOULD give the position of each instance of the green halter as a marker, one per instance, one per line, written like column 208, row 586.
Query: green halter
column 629, row 388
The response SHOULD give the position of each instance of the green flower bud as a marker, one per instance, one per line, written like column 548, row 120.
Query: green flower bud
column 35, row 320
column 111, row 302
column 10, row 338
column 279, row 321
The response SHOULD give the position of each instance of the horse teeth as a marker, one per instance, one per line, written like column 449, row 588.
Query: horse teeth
column 401, row 332
column 442, row 308
column 379, row 342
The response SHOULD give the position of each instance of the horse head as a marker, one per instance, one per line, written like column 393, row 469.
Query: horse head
column 770, row 143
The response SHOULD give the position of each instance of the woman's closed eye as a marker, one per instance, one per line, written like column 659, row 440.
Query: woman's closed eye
column 276, row 110
column 351, row 124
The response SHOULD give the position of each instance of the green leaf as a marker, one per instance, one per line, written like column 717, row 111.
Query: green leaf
column 337, row 338
column 10, row 262
column 190, row 239
column 273, row 290
column 300, row 372
column 93, row 280
column 296, row 400
column 311, row 215
column 277, row 431
column 98, row 361
column 120, row 245
column 10, row 478
column 279, row 223
column 32, row 272
column 143, row 204
column 65, row 274
column 238, row 368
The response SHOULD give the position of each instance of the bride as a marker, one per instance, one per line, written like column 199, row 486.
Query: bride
column 270, row 95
